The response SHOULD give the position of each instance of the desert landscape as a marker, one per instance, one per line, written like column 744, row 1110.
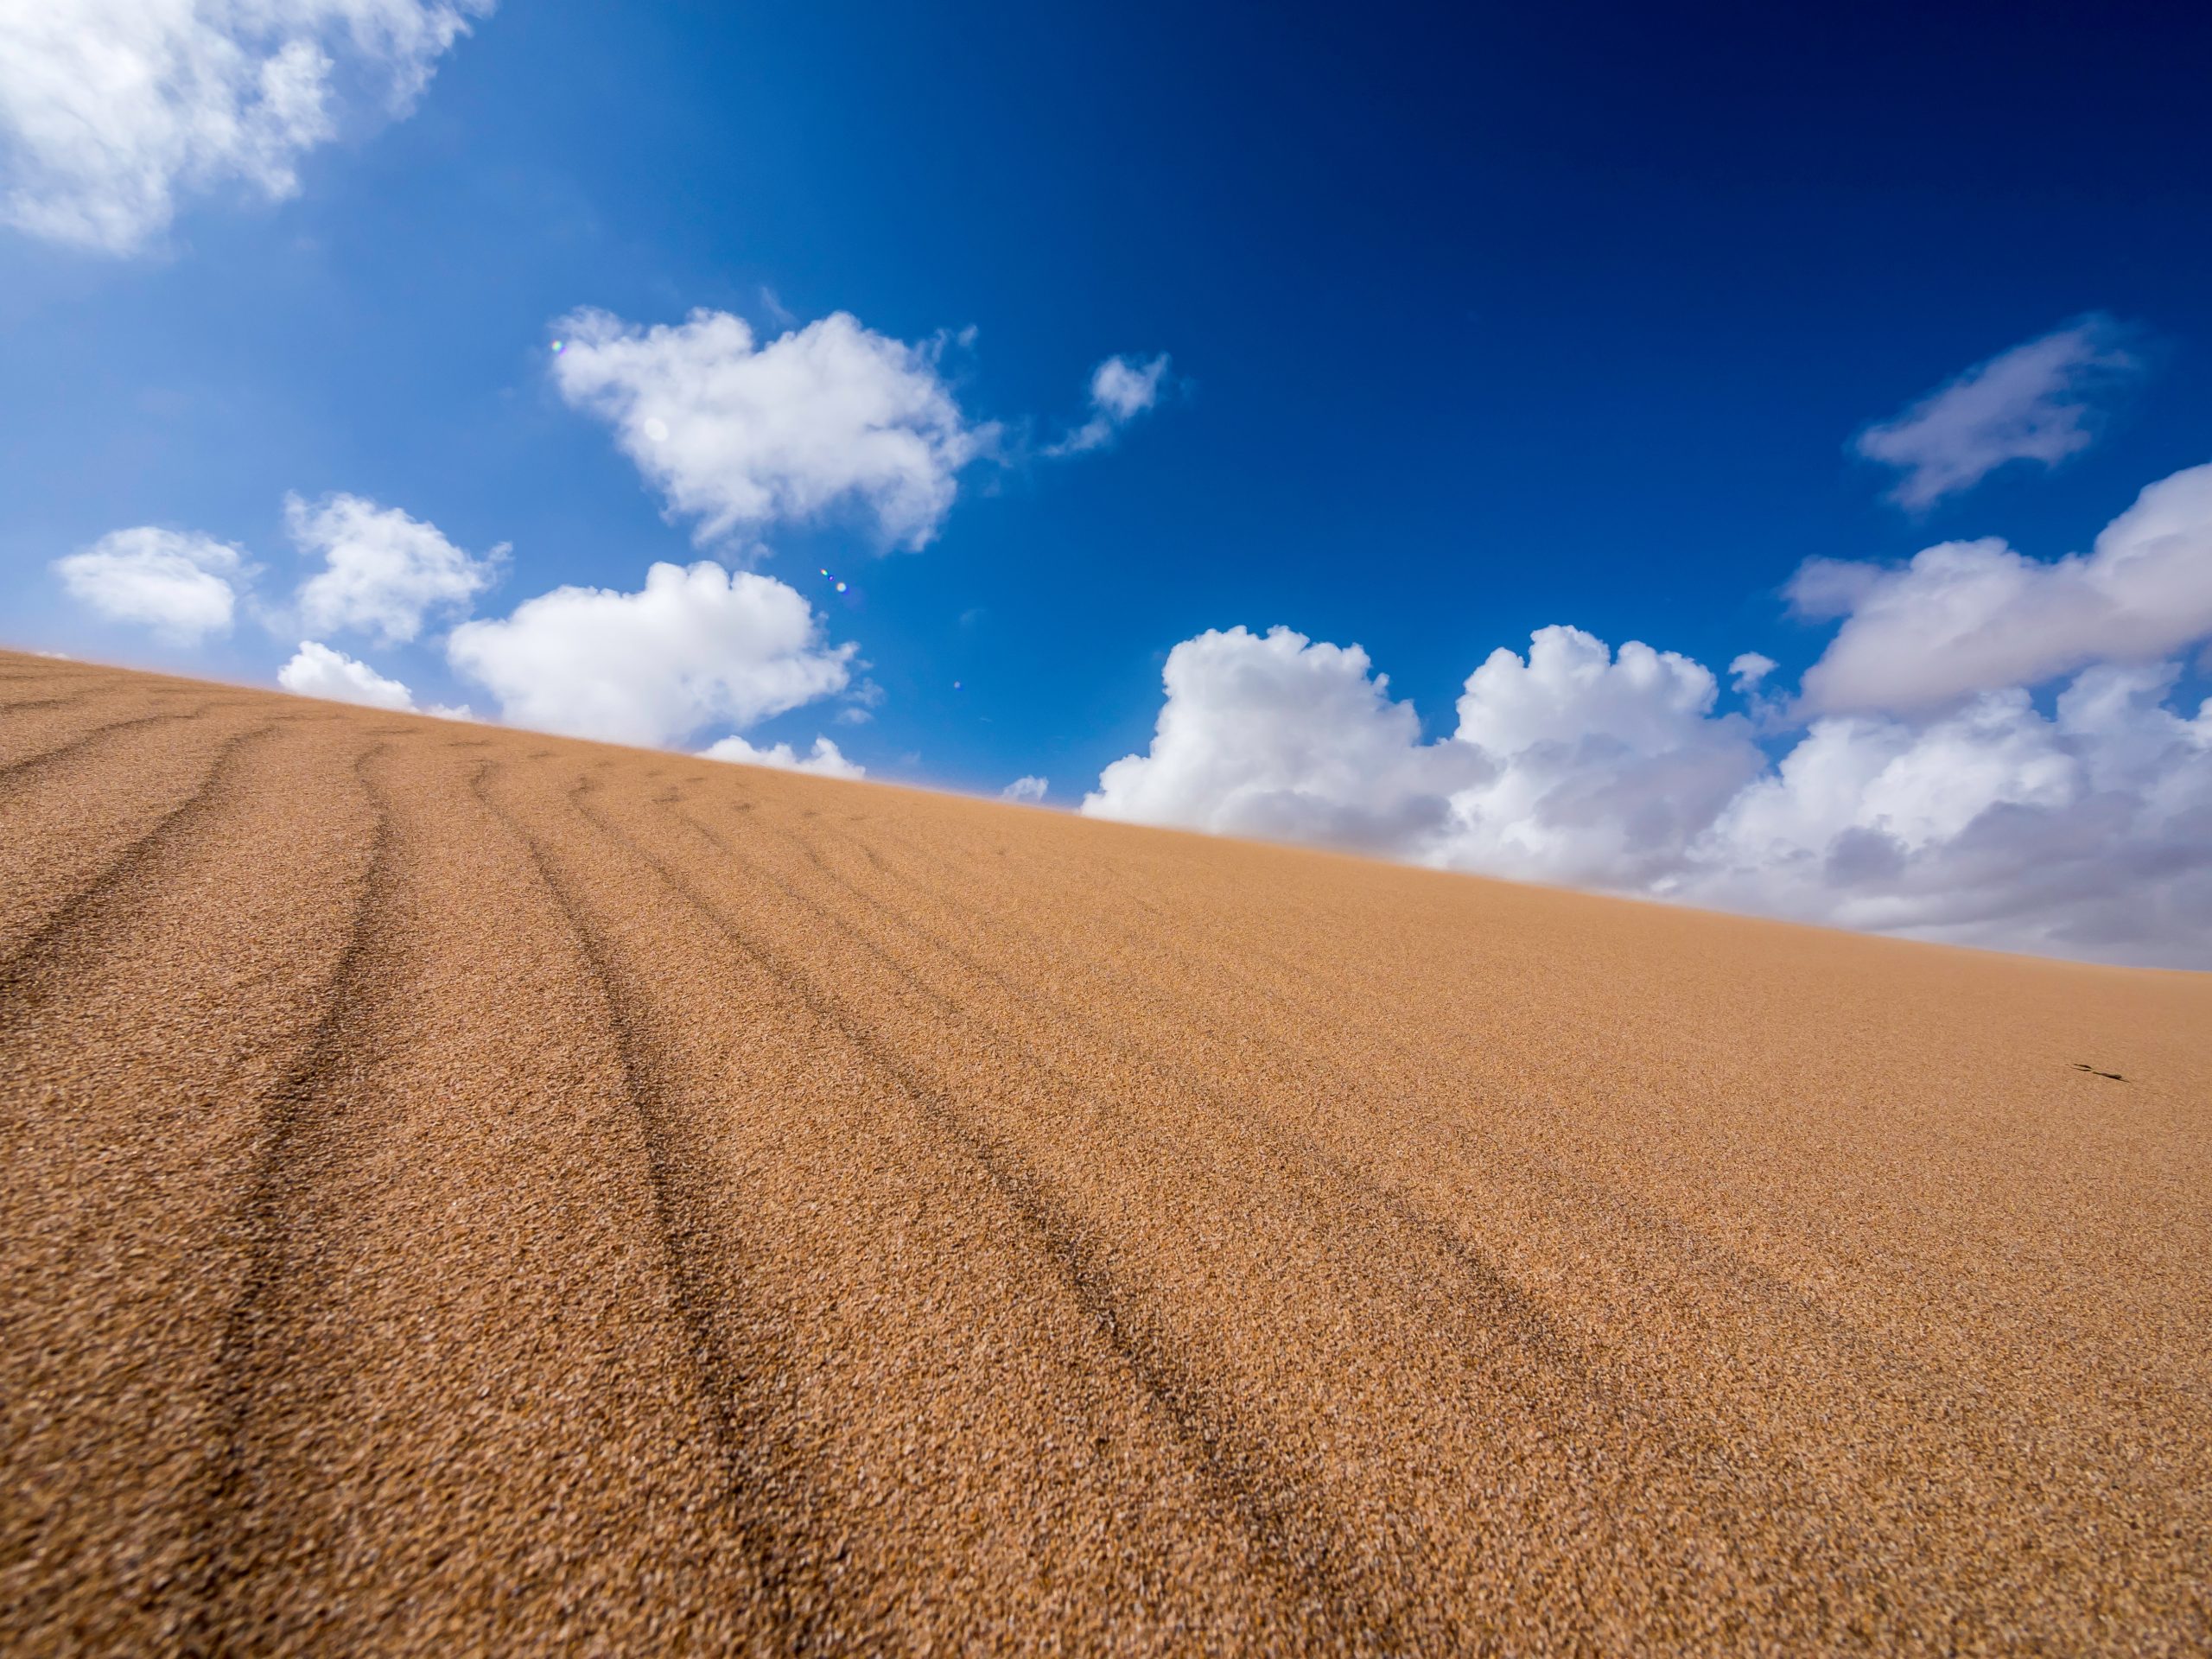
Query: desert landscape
column 472, row 1191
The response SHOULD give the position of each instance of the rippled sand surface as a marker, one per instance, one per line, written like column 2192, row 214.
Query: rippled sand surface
column 462, row 1191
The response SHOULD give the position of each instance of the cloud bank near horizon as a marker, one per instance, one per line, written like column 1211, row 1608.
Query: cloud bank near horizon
column 1980, row 756
column 1987, row 751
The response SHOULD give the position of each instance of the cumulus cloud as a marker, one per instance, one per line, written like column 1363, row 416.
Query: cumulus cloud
column 383, row 574
column 695, row 647
column 2036, row 402
column 1120, row 391
column 2085, row 833
column 316, row 670
column 110, row 110
column 738, row 436
column 382, row 571
column 824, row 759
column 1976, row 819
column 1570, row 765
column 1965, row 617
column 1606, row 767
column 1277, row 735
column 181, row 584
column 1031, row 789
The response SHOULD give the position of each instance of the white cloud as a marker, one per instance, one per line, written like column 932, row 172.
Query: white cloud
column 110, row 109
column 824, row 759
column 738, row 435
column 1125, row 390
column 382, row 571
column 1745, row 672
column 1281, row 737
column 1025, row 789
column 180, row 584
column 1568, row 766
column 383, row 574
column 695, row 647
column 1120, row 391
column 1974, row 616
column 2032, row 403
column 1606, row 768
column 316, row 670
column 2087, row 832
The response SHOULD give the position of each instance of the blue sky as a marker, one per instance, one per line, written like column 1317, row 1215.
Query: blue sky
column 1479, row 320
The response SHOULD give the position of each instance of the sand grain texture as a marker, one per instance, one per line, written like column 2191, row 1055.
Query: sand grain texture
column 470, row 1191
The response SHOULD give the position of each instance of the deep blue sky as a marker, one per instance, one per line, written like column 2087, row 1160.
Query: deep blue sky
column 1489, row 318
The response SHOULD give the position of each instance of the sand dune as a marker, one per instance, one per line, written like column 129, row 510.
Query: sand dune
column 466, row 1191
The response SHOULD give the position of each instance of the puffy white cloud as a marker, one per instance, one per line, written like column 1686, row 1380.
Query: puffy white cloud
column 182, row 585
column 1025, row 789
column 111, row 108
column 383, row 574
column 1283, row 737
column 382, row 571
column 824, row 759
column 1120, row 391
column 695, row 647
column 738, row 436
column 316, row 670
column 1974, row 616
column 1602, row 769
column 2086, row 832
column 1568, row 766
column 2032, row 403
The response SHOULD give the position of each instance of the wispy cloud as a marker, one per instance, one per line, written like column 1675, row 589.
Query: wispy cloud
column 1120, row 391
column 2036, row 401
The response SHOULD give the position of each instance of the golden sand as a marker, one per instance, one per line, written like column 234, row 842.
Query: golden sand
column 465, row 1192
